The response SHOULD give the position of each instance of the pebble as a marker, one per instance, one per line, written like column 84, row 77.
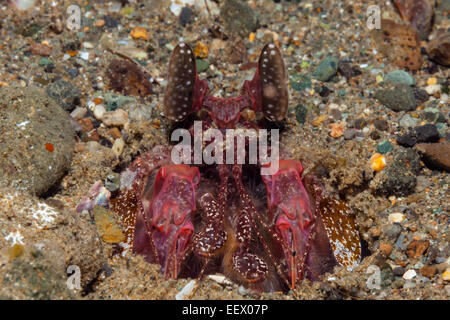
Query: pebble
column 435, row 155
column 393, row 232
column 116, row 118
column 300, row 113
column 202, row 65
column 381, row 125
column 399, row 271
column 384, row 147
column 408, row 122
column 397, row 97
column 378, row 162
column 185, row 16
column 422, row 134
column 428, row 271
column 43, row 62
column 396, row 217
column 350, row 134
column 400, row 77
column 446, row 275
column 187, row 290
column 239, row 17
column 65, row 94
column 432, row 89
column 300, row 82
column 112, row 181
column 99, row 111
column 106, row 225
column 410, row 274
column 118, row 146
column 139, row 33
column 326, row 69
column 336, row 130
column 78, row 113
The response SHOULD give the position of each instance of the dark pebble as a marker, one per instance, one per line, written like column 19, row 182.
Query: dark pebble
column 300, row 113
column 393, row 232
column 110, row 22
column 65, row 94
column 381, row 125
column 399, row 271
column 185, row 16
column 422, row 134
column 360, row 123
column 345, row 68
column 73, row 72
column 420, row 95
column 397, row 97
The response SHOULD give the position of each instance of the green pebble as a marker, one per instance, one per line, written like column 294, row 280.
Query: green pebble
column 300, row 82
column 202, row 65
column 300, row 113
column 384, row 147
column 326, row 69
column 400, row 77
column 43, row 62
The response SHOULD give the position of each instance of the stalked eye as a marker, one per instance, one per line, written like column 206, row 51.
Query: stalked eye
column 179, row 96
column 274, row 93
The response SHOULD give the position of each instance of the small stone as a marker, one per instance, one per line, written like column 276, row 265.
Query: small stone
column 381, row 125
column 400, row 77
column 114, row 101
column 396, row 217
column 239, row 17
column 107, row 226
column 432, row 89
column 397, row 97
column 427, row 133
column 350, row 134
column 41, row 49
column 139, row 33
column 115, row 118
column 446, row 275
column 118, row 146
column 407, row 140
column 432, row 81
column 408, row 122
column 347, row 70
column 99, row 111
column 300, row 113
column 410, row 274
column 300, row 82
column 79, row 113
column 378, row 162
column 326, row 69
column 384, row 147
column 417, row 248
column 385, row 248
column 44, row 62
column 185, row 16
column 435, row 155
column 409, row 285
column 65, row 94
column 387, row 276
column 393, row 232
column 202, row 65
column 399, row 271
column 336, row 130
column 112, row 182
column 428, row 271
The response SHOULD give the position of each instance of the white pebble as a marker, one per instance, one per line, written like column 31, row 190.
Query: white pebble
column 84, row 55
column 187, row 291
column 408, row 275
column 78, row 113
column 396, row 217
column 99, row 111
column 433, row 88
column 118, row 146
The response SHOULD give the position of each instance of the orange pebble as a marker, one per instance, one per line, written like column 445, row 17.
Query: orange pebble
column 378, row 162
column 50, row 147
column 139, row 33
